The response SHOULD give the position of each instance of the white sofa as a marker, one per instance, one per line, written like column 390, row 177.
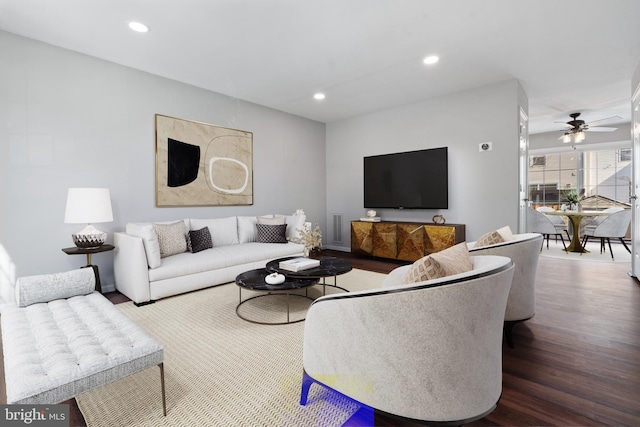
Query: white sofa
column 142, row 276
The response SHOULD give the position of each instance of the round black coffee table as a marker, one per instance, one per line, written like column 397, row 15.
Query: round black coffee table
column 254, row 280
column 329, row 266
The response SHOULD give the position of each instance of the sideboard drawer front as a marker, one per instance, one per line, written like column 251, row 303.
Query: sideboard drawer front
column 411, row 242
column 405, row 241
column 362, row 237
column 384, row 240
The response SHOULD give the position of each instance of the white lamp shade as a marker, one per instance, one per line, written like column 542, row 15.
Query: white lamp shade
column 88, row 206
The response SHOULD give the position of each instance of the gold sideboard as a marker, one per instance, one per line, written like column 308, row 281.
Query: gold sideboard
column 406, row 241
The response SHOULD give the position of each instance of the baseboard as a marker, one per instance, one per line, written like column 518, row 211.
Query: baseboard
column 337, row 248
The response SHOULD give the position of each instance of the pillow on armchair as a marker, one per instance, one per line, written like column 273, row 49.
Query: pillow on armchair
column 450, row 261
column 500, row 235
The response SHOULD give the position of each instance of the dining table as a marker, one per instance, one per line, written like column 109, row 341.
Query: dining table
column 576, row 218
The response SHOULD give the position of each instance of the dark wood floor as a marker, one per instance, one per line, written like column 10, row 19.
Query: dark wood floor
column 576, row 363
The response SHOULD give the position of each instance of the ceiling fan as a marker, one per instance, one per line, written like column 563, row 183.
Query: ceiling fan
column 574, row 132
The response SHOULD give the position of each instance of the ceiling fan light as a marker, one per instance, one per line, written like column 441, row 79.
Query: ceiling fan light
column 579, row 137
column 566, row 137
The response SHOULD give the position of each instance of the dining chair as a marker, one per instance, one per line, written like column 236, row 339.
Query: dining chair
column 537, row 222
column 598, row 219
column 557, row 221
column 613, row 226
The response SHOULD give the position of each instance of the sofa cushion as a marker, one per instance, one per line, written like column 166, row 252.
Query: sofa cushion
column 271, row 233
column 294, row 224
column 171, row 238
column 49, row 287
column 224, row 231
column 271, row 221
column 222, row 257
column 149, row 240
column 246, row 229
column 200, row 239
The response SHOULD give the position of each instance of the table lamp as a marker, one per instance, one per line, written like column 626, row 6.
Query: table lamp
column 90, row 206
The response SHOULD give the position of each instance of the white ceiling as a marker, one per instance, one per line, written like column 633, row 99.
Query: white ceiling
column 366, row 55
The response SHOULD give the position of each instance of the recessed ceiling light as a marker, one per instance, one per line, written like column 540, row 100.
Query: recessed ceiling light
column 430, row 59
column 319, row 96
column 139, row 27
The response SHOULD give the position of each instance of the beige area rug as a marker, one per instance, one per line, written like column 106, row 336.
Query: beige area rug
column 620, row 254
column 221, row 370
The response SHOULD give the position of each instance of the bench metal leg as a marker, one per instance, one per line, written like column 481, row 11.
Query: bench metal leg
column 164, row 400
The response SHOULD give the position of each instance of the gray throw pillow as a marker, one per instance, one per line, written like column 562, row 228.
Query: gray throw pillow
column 171, row 238
column 271, row 233
column 200, row 239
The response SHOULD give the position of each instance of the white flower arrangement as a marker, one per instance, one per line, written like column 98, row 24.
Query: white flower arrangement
column 310, row 237
column 299, row 212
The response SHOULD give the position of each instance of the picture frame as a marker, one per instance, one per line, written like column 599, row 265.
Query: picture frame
column 200, row 164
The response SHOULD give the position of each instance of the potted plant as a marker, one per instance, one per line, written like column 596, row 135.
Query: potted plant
column 311, row 238
column 573, row 197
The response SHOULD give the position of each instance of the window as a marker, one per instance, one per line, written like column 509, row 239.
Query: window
column 603, row 176
column 625, row 154
column 537, row 161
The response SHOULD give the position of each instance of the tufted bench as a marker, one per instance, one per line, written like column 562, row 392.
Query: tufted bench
column 62, row 339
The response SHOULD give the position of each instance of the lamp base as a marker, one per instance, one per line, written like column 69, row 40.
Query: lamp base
column 89, row 237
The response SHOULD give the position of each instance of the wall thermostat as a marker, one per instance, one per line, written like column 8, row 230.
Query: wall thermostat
column 485, row 146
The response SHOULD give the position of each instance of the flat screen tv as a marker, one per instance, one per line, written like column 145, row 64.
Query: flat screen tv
column 409, row 180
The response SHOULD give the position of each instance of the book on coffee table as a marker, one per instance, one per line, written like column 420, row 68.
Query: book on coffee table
column 299, row 264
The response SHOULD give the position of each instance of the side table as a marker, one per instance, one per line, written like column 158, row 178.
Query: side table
column 90, row 251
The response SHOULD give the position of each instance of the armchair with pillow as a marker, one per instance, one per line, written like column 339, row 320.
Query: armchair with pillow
column 424, row 347
column 523, row 249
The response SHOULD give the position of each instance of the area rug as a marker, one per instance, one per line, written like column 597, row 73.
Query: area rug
column 221, row 370
column 555, row 250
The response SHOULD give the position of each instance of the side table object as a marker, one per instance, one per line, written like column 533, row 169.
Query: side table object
column 90, row 251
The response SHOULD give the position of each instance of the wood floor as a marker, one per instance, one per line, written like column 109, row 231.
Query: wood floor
column 576, row 363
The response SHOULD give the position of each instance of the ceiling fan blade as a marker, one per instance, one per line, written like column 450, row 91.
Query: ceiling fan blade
column 602, row 120
column 600, row 129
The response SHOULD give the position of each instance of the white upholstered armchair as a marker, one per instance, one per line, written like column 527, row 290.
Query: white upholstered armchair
column 429, row 351
column 524, row 251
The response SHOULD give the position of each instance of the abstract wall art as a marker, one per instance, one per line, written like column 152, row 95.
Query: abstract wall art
column 198, row 164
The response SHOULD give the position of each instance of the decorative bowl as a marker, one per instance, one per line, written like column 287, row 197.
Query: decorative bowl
column 86, row 241
column 274, row 279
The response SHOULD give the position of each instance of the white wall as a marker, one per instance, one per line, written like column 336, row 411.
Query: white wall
column 70, row 120
column 635, row 79
column 483, row 186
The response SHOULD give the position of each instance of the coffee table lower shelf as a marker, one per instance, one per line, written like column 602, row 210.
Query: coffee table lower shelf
column 253, row 280
column 271, row 294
